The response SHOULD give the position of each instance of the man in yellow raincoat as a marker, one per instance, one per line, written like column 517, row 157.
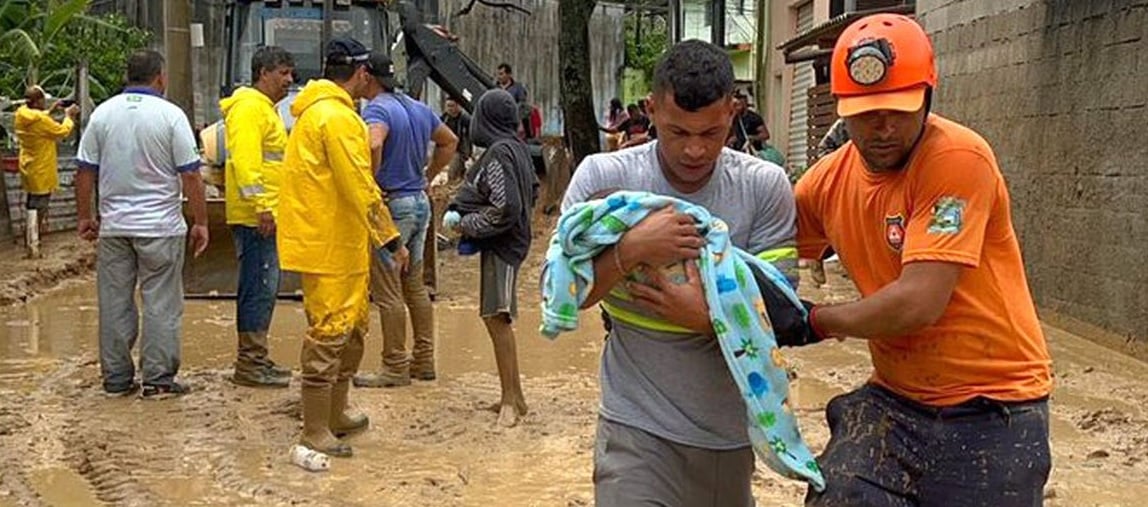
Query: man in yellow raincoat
column 256, row 140
column 38, row 134
column 331, row 218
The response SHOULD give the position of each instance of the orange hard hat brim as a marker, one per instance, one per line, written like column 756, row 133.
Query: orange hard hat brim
column 902, row 100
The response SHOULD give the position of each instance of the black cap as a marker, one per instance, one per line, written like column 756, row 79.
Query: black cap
column 381, row 66
column 346, row 51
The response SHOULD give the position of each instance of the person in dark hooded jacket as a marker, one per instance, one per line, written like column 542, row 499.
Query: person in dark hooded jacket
column 492, row 211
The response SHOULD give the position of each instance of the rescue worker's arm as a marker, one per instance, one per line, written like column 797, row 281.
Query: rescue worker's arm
column 445, row 145
column 916, row 300
column 245, row 131
column 948, row 222
column 343, row 142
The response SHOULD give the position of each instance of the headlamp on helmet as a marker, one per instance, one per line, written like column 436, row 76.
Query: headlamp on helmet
column 869, row 61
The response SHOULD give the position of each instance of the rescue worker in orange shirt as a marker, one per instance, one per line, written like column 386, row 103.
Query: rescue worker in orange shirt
column 956, row 412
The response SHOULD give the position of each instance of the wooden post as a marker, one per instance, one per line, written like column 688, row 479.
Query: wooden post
column 177, row 49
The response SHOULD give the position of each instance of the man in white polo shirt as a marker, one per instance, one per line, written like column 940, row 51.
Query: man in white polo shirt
column 142, row 150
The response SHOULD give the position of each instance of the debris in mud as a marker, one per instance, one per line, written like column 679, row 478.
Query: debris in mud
column 1049, row 493
column 1101, row 420
column 11, row 421
column 1098, row 454
column 1089, row 369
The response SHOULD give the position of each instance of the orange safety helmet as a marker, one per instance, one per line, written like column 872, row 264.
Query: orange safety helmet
column 883, row 61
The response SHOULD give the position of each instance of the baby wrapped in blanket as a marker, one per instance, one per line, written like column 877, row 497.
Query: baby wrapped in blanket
column 734, row 283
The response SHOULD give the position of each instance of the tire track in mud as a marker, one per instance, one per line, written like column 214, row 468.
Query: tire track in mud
column 14, row 484
column 29, row 424
column 119, row 452
column 268, row 422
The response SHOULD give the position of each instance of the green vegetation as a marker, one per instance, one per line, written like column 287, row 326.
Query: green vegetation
column 42, row 42
column 647, row 37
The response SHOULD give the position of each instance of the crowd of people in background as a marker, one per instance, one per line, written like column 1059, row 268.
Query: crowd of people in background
column 624, row 127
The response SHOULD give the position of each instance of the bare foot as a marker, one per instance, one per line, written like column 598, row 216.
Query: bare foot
column 520, row 406
column 508, row 416
column 492, row 407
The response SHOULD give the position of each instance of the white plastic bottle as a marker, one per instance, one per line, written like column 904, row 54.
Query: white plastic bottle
column 310, row 460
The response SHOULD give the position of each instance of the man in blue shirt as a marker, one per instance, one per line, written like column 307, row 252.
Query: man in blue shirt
column 401, row 129
column 517, row 90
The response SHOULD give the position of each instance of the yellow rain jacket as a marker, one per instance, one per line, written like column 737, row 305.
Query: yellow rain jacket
column 256, row 139
column 328, row 199
column 38, row 134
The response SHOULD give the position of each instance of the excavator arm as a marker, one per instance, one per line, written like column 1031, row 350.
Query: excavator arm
column 432, row 53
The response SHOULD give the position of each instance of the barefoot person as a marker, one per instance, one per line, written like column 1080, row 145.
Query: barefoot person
column 492, row 210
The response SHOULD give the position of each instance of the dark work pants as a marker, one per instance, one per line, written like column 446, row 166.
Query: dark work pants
column 885, row 450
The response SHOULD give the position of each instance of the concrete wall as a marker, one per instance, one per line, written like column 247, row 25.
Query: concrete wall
column 1058, row 89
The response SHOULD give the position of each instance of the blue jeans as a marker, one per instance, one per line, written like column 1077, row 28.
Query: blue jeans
column 412, row 215
column 887, row 451
column 258, row 279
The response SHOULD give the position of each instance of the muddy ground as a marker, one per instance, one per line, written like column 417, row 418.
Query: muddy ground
column 432, row 444
column 63, row 259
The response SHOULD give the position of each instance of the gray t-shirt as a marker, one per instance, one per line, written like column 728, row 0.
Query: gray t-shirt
column 139, row 143
column 674, row 385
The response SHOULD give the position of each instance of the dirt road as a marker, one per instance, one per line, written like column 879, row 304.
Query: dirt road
column 63, row 443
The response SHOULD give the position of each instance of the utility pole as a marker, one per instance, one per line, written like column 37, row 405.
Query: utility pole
column 177, row 49
column 763, row 61
column 327, row 32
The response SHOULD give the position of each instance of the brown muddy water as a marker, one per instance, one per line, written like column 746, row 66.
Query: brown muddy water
column 63, row 443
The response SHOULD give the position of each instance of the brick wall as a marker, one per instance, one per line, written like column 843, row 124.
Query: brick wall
column 62, row 207
column 1059, row 89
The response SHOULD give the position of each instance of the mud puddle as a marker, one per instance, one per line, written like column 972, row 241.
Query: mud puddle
column 65, row 324
column 434, row 443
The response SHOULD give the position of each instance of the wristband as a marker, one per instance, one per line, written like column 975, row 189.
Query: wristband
column 817, row 331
